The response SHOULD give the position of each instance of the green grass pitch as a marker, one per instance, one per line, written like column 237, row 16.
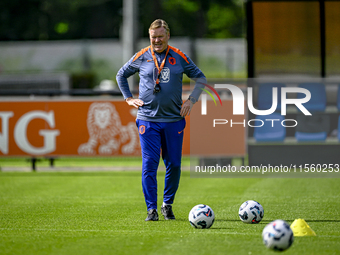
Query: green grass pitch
column 103, row 213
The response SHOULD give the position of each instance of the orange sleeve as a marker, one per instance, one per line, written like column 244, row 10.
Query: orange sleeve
column 140, row 53
column 179, row 53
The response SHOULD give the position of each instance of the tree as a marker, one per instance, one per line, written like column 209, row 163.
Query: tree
column 59, row 19
column 88, row 19
column 196, row 18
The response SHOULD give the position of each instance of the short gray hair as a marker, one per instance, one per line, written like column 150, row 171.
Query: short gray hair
column 159, row 23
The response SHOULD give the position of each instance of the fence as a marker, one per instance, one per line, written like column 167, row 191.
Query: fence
column 218, row 58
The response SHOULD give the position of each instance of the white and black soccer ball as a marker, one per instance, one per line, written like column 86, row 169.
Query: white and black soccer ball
column 277, row 235
column 201, row 216
column 251, row 212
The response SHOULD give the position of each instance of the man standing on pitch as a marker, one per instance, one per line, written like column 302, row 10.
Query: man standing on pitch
column 161, row 112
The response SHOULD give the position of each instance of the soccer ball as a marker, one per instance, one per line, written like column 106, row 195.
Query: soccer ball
column 277, row 235
column 201, row 216
column 251, row 212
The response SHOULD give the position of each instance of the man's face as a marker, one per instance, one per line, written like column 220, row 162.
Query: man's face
column 159, row 39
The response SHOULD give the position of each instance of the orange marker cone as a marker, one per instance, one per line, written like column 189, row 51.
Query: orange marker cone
column 301, row 228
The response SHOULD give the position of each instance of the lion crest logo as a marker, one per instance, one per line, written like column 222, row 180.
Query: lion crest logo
column 105, row 129
column 164, row 76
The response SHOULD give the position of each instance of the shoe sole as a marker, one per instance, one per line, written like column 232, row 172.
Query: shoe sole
column 166, row 218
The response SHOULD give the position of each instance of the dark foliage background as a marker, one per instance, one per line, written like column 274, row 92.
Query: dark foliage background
column 87, row 19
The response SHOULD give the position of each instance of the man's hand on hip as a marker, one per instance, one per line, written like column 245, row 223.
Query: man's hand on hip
column 186, row 108
column 134, row 102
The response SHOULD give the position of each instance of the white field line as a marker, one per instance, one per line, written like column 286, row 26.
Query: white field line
column 198, row 231
column 80, row 169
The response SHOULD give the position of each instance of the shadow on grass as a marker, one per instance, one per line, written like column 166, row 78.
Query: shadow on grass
column 268, row 221
column 178, row 219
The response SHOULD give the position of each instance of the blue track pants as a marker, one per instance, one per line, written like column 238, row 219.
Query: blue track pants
column 158, row 138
